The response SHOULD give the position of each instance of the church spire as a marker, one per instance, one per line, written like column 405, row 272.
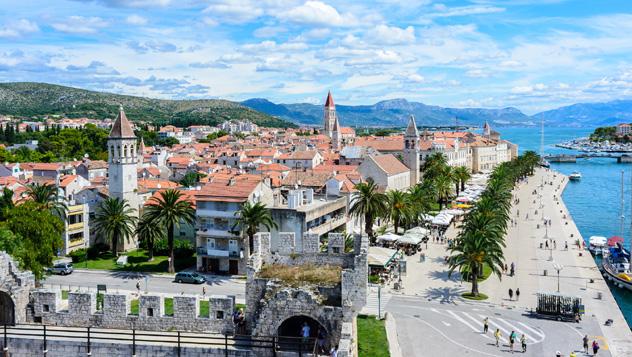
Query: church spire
column 329, row 102
column 122, row 128
column 411, row 129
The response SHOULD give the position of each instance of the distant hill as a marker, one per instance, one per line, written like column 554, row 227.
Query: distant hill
column 589, row 114
column 391, row 113
column 36, row 99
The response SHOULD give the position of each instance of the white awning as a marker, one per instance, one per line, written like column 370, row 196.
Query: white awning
column 388, row 237
column 410, row 239
column 378, row 256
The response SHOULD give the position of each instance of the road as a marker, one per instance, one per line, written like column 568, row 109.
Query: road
column 421, row 323
column 163, row 284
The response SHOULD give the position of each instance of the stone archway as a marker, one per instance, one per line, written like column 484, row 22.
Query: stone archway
column 7, row 309
column 292, row 326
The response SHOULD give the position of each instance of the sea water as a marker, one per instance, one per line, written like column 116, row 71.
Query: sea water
column 595, row 200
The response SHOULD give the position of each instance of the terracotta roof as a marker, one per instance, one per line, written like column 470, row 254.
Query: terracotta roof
column 67, row 180
column 329, row 102
column 46, row 166
column 228, row 188
column 306, row 178
column 299, row 155
column 187, row 195
column 273, row 167
column 96, row 164
column 347, row 130
column 389, row 164
column 336, row 168
column 156, row 184
column 383, row 144
column 122, row 128
column 152, row 170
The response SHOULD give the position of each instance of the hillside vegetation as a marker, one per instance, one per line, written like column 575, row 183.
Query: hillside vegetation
column 37, row 99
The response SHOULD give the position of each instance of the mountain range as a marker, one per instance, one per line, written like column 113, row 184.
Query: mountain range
column 29, row 99
column 395, row 112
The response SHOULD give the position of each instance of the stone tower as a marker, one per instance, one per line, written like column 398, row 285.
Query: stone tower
column 123, row 162
column 411, row 150
column 330, row 115
column 336, row 136
column 487, row 130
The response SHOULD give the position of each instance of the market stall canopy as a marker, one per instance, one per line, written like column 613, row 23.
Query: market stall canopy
column 388, row 237
column 427, row 217
column 442, row 219
column 417, row 230
column 413, row 239
column 381, row 257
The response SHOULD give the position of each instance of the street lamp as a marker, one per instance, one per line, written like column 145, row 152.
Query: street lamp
column 558, row 268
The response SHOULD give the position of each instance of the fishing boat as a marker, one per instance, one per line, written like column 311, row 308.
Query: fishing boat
column 575, row 176
column 616, row 267
column 597, row 245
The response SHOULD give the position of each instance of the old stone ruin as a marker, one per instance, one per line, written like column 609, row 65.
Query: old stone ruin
column 279, row 304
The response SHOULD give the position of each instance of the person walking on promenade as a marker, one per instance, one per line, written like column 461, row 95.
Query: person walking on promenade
column 512, row 340
column 546, row 244
column 517, row 294
column 554, row 244
column 585, row 340
column 512, row 269
column 510, row 294
column 523, row 343
column 498, row 335
column 505, row 268
column 138, row 287
column 305, row 330
column 486, row 325
column 595, row 347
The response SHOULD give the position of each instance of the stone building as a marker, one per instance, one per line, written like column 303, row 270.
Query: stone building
column 15, row 286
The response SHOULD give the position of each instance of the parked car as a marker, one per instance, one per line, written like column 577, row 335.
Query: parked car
column 61, row 269
column 193, row 278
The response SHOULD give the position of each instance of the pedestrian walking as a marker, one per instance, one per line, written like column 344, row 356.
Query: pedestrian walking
column 585, row 340
column 512, row 339
column 498, row 335
column 510, row 294
column 505, row 268
column 546, row 244
column 565, row 245
column 138, row 287
column 595, row 347
column 512, row 269
column 333, row 352
column 322, row 337
column 305, row 332
column 523, row 343
column 486, row 325
column 517, row 294
column 554, row 244
column 204, row 291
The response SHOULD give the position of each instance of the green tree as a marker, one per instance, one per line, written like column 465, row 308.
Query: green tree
column 191, row 179
column 149, row 233
column 40, row 234
column 420, row 198
column 462, row 175
column 249, row 218
column 398, row 208
column 369, row 204
column 6, row 202
column 46, row 196
column 115, row 221
column 442, row 189
column 170, row 209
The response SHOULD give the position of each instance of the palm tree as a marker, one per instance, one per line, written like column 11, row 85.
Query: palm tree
column 6, row 202
column 249, row 218
column 170, row 209
column 47, row 197
column 115, row 220
column 398, row 207
column 419, row 197
column 434, row 166
column 369, row 204
column 149, row 232
column 463, row 174
column 443, row 189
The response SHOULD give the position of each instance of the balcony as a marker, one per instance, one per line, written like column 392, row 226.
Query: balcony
column 329, row 225
column 205, row 212
column 216, row 253
column 215, row 231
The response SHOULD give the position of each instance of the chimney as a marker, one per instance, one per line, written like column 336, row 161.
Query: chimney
column 231, row 181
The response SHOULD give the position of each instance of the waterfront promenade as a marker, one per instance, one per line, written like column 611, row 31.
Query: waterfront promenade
column 428, row 281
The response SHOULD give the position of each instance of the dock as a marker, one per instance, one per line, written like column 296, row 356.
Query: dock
column 622, row 158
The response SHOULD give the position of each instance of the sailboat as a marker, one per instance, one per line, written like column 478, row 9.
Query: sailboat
column 543, row 161
column 616, row 263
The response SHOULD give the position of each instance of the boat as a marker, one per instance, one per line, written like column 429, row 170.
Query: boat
column 544, row 163
column 616, row 267
column 575, row 176
column 598, row 245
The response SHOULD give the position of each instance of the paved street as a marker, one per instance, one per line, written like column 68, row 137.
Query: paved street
column 422, row 324
column 126, row 281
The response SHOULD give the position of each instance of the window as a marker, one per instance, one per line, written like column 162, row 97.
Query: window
column 76, row 237
column 150, row 311
column 75, row 218
column 219, row 315
column 45, row 308
column 182, row 234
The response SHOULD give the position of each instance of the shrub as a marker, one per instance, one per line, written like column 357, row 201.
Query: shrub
column 79, row 255
column 182, row 249
column 95, row 250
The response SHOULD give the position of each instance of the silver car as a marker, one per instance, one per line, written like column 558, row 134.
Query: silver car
column 61, row 269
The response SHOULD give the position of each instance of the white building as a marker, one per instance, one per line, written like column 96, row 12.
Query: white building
column 386, row 171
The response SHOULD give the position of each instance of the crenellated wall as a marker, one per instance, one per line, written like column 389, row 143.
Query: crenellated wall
column 81, row 311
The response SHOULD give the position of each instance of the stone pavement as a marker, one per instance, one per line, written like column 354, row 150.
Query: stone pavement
column 430, row 280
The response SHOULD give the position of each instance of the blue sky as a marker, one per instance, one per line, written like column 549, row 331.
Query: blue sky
column 530, row 54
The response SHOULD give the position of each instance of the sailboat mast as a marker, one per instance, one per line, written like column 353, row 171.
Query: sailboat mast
column 542, row 139
column 630, row 214
column 621, row 228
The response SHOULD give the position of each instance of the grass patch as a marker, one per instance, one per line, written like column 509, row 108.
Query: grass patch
column 374, row 279
column 168, row 306
column 469, row 296
column 372, row 339
column 487, row 271
column 64, row 294
column 240, row 306
column 204, row 310
column 134, row 307
column 301, row 274
column 137, row 260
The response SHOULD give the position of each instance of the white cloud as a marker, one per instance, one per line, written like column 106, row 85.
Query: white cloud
column 269, row 31
column 445, row 11
column 18, row 28
column 391, row 35
column 132, row 3
column 360, row 81
column 477, row 73
column 317, row 13
column 234, row 11
column 136, row 20
column 80, row 24
column 375, row 58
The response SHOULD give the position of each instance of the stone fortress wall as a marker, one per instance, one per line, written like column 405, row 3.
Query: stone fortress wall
column 81, row 311
column 269, row 303
column 15, row 286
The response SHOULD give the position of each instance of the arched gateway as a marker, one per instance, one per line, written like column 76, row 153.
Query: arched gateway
column 14, row 295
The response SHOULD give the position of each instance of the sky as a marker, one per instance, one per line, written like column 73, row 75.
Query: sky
column 530, row 54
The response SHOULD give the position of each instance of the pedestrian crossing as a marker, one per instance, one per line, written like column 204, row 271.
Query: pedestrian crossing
column 371, row 307
column 474, row 321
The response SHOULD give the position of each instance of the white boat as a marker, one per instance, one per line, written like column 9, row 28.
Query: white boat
column 575, row 176
column 598, row 245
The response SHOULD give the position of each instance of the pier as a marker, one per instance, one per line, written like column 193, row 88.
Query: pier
column 563, row 158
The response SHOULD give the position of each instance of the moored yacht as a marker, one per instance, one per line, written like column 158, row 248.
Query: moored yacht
column 598, row 245
column 575, row 176
column 616, row 267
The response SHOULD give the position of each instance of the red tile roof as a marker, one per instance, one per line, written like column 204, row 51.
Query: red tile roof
column 389, row 164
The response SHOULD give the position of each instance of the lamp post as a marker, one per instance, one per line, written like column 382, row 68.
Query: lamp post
column 558, row 268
